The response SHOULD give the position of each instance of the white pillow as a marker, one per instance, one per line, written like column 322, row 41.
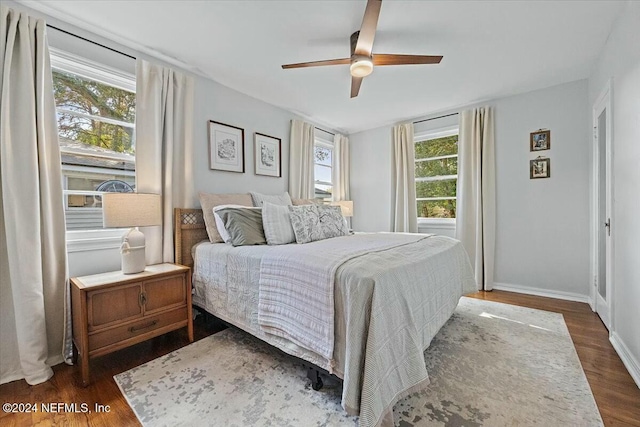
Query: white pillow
column 277, row 224
column 220, row 223
column 280, row 199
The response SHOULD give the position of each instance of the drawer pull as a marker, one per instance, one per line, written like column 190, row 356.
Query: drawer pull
column 139, row 328
column 142, row 298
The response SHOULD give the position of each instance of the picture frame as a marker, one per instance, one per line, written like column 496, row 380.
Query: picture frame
column 540, row 140
column 267, row 152
column 226, row 147
column 540, row 168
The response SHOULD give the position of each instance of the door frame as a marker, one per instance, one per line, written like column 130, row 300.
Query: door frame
column 603, row 102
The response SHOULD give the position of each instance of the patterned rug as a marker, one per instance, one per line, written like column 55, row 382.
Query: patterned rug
column 491, row 364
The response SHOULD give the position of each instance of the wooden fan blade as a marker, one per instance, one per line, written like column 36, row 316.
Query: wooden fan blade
column 355, row 86
column 391, row 59
column 342, row 61
column 368, row 28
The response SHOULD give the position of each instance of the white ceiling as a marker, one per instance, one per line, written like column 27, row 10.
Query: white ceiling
column 491, row 48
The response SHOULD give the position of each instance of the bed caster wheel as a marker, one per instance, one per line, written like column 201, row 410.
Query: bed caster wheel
column 314, row 376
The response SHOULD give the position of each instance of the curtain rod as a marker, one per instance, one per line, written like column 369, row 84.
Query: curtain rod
column 90, row 41
column 330, row 133
column 434, row 118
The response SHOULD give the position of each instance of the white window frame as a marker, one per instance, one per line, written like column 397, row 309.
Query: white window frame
column 436, row 223
column 95, row 239
column 324, row 143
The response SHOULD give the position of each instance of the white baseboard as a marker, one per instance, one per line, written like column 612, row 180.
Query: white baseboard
column 569, row 296
column 625, row 354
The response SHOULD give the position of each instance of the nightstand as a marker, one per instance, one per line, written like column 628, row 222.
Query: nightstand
column 113, row 310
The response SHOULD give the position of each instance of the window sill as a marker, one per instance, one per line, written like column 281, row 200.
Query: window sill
column 448, row 223
column 425, row 224
column 94, row 240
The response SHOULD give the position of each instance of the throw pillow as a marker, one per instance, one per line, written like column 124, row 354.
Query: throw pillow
column 281, row 199
column 244, row 226
column 277, row 224
column 317, row 222
column 220, row 223
column 209, row 201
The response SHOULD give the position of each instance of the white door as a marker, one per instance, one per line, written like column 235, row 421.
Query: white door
column 602, row 207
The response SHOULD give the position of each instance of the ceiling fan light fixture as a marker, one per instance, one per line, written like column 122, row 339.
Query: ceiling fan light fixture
column 361, row 67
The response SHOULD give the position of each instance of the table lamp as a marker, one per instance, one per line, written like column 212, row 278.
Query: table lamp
column 131, row 210
column 346, row 206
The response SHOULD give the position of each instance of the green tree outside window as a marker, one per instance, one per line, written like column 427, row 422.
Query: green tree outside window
column 437, row 158
column 81, row 103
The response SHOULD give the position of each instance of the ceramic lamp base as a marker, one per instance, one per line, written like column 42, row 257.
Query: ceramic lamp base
column 132, row 251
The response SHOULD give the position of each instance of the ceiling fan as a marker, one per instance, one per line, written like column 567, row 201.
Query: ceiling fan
column 362, row 60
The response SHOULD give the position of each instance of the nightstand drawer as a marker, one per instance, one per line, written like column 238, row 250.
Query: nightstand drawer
column 148, row 324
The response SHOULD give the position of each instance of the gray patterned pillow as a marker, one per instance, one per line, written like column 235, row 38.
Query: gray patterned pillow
column 317, row 222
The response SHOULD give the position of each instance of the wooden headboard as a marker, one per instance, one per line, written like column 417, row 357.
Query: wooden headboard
column 188, row 230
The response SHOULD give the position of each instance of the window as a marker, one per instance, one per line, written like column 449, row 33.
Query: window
column 95, row 108
column 322, row 168
column 436, row 155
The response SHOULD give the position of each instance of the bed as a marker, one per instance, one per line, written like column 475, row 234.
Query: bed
column 387, row 303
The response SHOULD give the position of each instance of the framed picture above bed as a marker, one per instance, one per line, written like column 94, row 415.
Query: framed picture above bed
column 268, row 155
column 226, row 147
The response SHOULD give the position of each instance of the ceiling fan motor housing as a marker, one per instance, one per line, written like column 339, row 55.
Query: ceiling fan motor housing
column 361, row 65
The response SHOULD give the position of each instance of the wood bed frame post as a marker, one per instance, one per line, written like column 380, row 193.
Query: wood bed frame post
column 189, row 229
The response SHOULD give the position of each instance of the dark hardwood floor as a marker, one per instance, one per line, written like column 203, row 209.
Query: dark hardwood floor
column 616, row 394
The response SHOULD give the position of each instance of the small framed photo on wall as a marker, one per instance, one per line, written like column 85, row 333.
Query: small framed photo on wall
column 540, row 168
column 267, row 155
column 540, row 140
column 226, row 147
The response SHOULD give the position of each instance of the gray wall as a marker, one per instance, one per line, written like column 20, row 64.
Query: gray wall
column 620, row 61
column 371, row 179
column 542, row 238
column 214, row 101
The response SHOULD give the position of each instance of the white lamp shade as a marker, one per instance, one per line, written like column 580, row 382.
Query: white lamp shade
column 131, row 210
column 346, row 206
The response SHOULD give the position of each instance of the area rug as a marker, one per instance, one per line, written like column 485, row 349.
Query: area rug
column 491, row 364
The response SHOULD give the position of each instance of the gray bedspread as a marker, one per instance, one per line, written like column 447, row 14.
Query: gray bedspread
column 296, row 286
column 388, row 306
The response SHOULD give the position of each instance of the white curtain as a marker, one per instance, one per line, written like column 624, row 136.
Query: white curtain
column 340, row 171
column 476, row 198
column 301, row 185
column 33, row 264
column 164, row 148
column 405, row 209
